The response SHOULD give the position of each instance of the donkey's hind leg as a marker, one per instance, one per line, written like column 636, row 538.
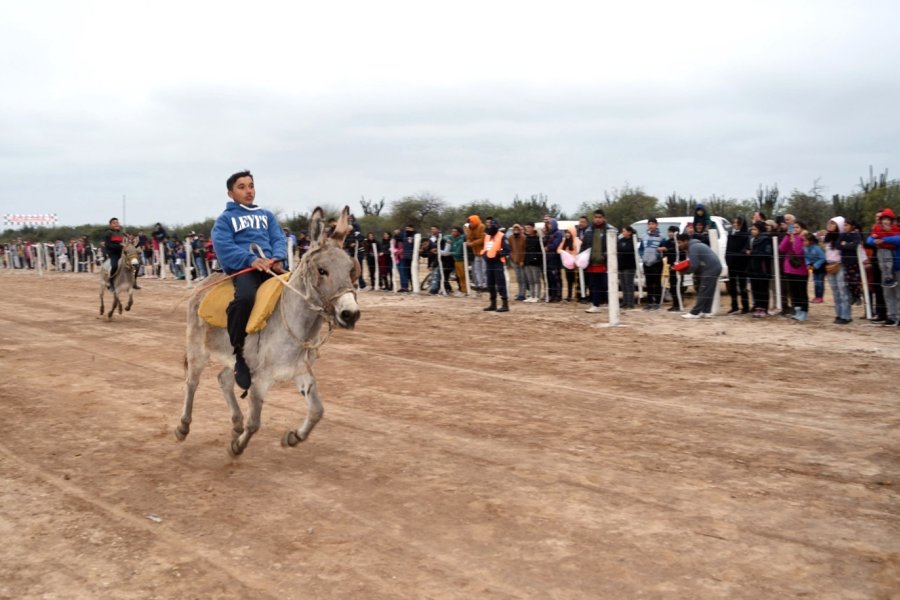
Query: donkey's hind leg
column 306, row 384
column 102, row 293
column 193, row 368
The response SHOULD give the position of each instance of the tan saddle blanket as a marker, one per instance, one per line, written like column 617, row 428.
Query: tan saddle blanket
column 212, row 307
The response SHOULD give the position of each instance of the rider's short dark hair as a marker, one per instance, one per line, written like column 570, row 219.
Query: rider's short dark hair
column 233, row 179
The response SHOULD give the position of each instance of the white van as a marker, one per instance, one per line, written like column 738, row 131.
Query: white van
column 722, row 226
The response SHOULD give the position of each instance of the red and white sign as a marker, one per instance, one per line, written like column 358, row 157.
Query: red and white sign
column 49, row 219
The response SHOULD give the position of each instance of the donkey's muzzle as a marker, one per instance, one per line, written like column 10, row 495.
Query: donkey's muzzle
column 346, row 311
column 347, row 318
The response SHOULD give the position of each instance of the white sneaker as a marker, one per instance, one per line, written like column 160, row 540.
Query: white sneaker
column 706, row 315
column 592, row 309
column 690, row 316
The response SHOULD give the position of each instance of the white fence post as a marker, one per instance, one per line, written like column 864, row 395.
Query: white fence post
column 440, row 262
column 544, row 275
column 466, row 264
column 188, row 261
column 714, row 244
column 395, row 269
column 612, row 276
column 861, row 257
column 414, row 267
column 639, row 263
column 375, row 248
column 776, row 271
column 161, row 259
column 290, row 248
column 37, row 249
column 678, row 276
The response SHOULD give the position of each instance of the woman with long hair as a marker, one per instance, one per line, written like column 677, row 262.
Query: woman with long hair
column 835, row 242
column 569, row 244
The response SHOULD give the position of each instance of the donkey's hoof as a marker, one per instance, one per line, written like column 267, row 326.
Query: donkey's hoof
column 234, row 449
column 181, row 434
column 290, row 439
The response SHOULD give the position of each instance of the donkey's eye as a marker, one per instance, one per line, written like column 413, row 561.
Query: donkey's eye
column 323, row 272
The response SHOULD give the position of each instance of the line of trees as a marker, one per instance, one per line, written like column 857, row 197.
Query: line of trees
column 622, row 206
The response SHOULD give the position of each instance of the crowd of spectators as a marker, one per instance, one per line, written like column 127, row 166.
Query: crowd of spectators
column 548, row 265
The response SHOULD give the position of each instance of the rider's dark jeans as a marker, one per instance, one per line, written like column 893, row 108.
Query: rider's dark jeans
column 238, row 311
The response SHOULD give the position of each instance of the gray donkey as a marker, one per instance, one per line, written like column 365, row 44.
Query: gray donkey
column 320, row 291
column 122, row 280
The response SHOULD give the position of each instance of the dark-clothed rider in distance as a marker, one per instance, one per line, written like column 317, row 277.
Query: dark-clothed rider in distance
column 113, row 243
column 241, row 224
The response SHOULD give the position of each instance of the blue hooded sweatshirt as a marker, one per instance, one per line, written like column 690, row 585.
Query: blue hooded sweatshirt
column 238, row 227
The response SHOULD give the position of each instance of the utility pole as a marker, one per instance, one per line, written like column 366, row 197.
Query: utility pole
column 123, row 210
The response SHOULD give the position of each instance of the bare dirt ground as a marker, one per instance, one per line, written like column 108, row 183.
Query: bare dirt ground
column 462, row 455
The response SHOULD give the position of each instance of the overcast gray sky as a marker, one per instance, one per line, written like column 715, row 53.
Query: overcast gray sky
column 328, row 102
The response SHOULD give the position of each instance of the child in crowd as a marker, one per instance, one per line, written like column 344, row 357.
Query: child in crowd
column 886, row 227
column 815, row 262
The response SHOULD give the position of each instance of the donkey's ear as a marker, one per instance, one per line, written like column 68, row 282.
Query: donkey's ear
column 342, row 228
column 317, row 234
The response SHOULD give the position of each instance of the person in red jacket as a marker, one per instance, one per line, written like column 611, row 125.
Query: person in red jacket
column 886, row 227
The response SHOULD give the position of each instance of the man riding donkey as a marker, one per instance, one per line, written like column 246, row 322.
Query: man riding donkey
column 239, row 231
column 113, row 243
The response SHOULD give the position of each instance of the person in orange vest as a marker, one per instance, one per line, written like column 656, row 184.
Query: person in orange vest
column 495, row 251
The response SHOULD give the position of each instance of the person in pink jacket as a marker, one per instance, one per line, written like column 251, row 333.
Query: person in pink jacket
column 794, row 267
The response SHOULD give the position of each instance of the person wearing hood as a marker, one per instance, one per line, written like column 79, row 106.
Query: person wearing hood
column 736, row 259
column 595, row 242
column 553, row 239
column 705, row 265
column 242, row 224
column 701, row 216
column 495, row 249
column 835, row 268
column 475, row 242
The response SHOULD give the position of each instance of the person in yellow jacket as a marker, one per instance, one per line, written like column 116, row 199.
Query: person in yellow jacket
column 495, row 251
column 475, row 241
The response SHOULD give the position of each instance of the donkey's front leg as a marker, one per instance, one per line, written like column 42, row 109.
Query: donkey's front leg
column 102, row 293
column 193, row 369
column 130, row 298
column 306, row 384
column 226, row 383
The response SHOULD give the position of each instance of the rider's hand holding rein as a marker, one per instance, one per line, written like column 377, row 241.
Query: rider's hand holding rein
column 264, row 264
